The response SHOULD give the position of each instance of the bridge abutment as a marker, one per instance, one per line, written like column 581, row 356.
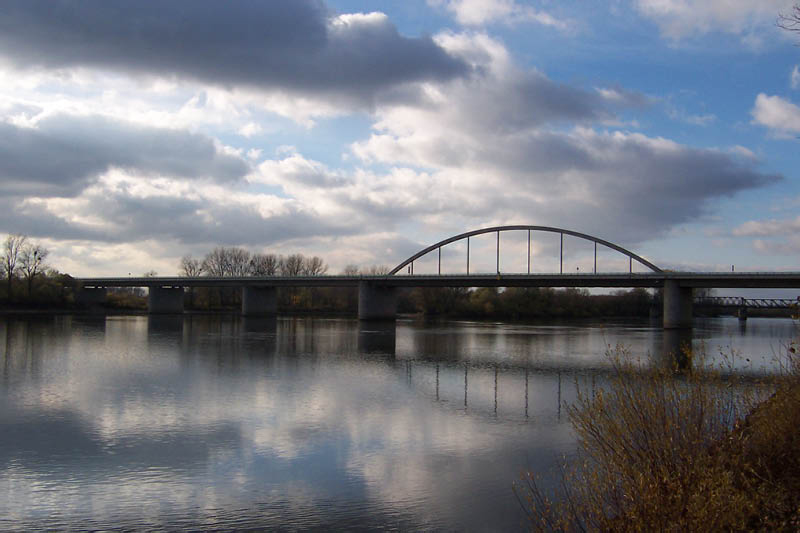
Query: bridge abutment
column 677, row 305
column 376, row 302
column 165, row 300
column 259, row 300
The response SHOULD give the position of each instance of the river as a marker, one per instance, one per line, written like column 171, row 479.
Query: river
column 219, row 422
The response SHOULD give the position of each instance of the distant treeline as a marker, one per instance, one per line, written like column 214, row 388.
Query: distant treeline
column 528, row 302
column 511, row 303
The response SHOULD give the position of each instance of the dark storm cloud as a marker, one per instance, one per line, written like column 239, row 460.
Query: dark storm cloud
column 630, row 187
column 63, row 154
column 526, row 102
column 285, row 44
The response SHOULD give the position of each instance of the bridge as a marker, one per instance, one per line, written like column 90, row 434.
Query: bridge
column 742, row 305
column 377, row 293
column 754, row 303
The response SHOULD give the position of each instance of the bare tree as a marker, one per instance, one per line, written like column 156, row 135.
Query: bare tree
column 227, row 262
column 214, row 263
column 150, row 274
column 314, row 266
column 264, row 265
column 190, row 267
column 292, row 265
column 790, row 21
column 11, row 251
column 31, row 259
column 239, row 263
column 350, row 270
column 376, row 270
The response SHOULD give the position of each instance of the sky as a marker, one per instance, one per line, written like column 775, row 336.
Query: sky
column 132, row 134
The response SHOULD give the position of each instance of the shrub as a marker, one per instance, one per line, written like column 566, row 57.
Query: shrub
column 662, row 449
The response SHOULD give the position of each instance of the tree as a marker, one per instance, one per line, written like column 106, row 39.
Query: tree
column 31, row 261
column 292, row 265
column 314, row 266
column 190, row 267
column 350, row 270
column 790, row 21
column 376, row 270
column 264, row 265
column 11, row 251
column 227, row 262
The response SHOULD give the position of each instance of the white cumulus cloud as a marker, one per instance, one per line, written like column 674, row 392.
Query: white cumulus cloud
column 684, row 18
column 776, row 113
column 482, row 12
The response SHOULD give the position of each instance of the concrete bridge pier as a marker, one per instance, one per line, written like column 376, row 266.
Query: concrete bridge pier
column 91, row 297
column 376, row 302
column 259, row 300
column 165, row 300
column 677, row 305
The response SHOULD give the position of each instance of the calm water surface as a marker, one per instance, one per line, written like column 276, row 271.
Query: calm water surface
column 218, row 422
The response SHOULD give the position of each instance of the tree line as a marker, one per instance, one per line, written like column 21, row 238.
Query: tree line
column 518, row 303
column 27, row 276
column 234, row 261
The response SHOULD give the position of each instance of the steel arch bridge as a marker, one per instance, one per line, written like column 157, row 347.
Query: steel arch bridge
column 548, row 229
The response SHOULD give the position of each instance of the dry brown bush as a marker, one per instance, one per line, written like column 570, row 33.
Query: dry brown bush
column 668, row 450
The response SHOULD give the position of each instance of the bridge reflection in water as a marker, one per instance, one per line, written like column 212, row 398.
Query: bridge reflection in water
column 487, row 370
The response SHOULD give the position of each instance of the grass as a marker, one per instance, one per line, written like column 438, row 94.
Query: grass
column 670, row 450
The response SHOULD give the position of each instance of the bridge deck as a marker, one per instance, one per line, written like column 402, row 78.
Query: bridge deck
column 611, row 280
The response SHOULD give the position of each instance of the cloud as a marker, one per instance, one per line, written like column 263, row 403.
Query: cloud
column 678, row 19
column 514, row 158
column 623, row 97
column 773, row 236
column 122, row 208
column 788, row 246
column 503, row 144
column 776, row 113
column 63, row 154
column 285, row 45
column 499, row 97
column 768, row 228
column 794, row 78
column 250, row 129
column 482, row 12
column 705, row 119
